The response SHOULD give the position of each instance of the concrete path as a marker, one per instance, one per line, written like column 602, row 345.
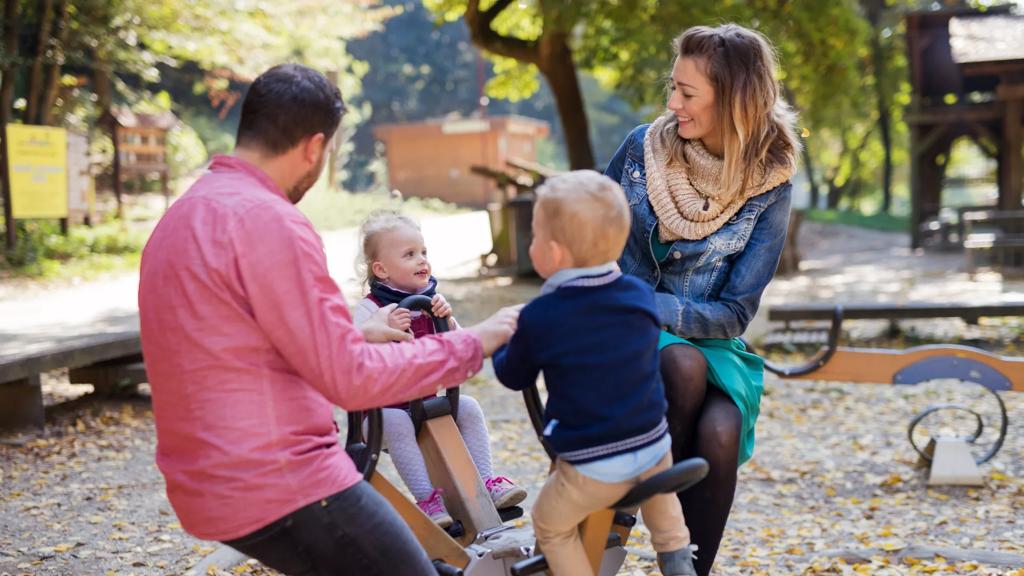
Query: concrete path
column 30, row 318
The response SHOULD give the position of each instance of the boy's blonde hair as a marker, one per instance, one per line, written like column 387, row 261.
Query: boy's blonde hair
column 587, row 213
column 370, row 231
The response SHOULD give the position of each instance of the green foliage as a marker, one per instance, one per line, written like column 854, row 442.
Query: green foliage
column 884, row 222
column 420, row 68
column 334, row 209
column 185, row 151
column 42, row 251
column 825, row 52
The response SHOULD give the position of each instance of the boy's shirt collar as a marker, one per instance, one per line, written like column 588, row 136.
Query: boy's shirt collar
column 589, row 276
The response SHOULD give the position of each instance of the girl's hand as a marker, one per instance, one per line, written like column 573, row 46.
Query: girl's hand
column 441, row 307
column 376, row 329
column 400, row 319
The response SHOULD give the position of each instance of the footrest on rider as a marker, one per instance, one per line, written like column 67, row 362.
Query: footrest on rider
column 510, row 513
column 456, row 530
column 623, row 519
column 447, row 569
column 537, row 564
column 532, row 565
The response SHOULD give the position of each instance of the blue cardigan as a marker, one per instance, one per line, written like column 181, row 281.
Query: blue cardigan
column 596, row 341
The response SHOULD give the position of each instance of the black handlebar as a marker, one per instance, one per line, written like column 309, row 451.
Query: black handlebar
column 419, row 412
column 819, row 359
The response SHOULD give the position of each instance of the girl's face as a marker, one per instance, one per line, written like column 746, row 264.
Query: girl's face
column 692, row 100
column 402, row 259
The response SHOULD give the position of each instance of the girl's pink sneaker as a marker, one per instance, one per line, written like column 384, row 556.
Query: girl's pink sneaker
column 433, row 506
column 503, row 492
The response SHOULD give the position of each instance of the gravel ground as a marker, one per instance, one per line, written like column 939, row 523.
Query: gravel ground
column 833, row 487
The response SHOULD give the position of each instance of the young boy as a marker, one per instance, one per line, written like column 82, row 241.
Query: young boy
column 593, row 332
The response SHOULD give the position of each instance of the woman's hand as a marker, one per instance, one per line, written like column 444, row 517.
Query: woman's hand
column 378, row 329
column 441, row 308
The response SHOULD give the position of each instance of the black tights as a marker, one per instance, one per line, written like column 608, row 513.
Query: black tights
column 703, row 422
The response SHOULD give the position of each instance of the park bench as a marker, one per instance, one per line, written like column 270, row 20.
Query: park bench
column 996, row 237
column 110, row 362
column 950, row 457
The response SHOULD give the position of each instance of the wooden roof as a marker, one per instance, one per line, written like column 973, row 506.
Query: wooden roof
column 125, row 118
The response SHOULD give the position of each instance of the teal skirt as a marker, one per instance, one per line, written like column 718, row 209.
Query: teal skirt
column 734, row 371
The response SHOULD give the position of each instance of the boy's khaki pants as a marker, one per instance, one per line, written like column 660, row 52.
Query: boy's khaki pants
column 569, row 496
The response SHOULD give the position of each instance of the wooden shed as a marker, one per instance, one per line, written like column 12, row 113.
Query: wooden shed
column 967, row 77
column 140, row 146
column 432, row 159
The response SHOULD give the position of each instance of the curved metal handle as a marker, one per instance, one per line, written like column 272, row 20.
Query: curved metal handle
column 818, row 360
column 535, row 408
column 365, row 451
column 996, row 446
column 421, row 303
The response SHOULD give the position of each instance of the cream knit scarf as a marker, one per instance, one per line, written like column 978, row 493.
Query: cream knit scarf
column 688, row 200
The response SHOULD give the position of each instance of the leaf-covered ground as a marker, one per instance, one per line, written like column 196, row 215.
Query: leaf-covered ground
column 833, row 487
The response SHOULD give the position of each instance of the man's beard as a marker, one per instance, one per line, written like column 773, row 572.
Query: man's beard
column 296, row 192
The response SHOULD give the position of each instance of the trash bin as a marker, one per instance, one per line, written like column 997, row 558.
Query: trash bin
column 511, row 234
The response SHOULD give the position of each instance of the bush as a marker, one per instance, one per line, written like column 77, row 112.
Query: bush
column 42, row 251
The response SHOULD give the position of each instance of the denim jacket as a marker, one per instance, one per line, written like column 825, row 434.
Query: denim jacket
column 708, row 288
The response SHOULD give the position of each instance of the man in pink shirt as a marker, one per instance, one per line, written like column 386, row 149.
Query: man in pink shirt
column 248, row 344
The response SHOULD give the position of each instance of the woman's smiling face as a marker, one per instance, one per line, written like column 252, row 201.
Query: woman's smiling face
column 692, row 100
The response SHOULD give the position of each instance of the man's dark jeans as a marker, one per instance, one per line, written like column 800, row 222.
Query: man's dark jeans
column 354, row 532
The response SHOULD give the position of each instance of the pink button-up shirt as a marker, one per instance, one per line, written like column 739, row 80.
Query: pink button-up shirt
column 248, row 343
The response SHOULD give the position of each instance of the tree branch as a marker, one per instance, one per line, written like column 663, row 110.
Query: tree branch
column 485, row 37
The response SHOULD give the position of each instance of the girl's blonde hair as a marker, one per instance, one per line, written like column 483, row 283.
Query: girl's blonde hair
column 370, row 231
column 756, row 122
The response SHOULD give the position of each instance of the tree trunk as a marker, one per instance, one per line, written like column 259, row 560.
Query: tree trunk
column 51, row 86
column 552, row 55
column 35, row 78
column 10, row 54
column 102, row 84
column 812, row 180
column 559, row 69
column 874, row 10
column 884, row 121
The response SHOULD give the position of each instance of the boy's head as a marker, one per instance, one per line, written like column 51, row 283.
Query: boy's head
column 580, row 219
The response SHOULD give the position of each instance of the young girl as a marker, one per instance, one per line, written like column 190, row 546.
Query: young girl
column 396, row 266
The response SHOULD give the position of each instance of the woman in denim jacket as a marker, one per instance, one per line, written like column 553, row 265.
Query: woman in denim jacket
column 708, row 188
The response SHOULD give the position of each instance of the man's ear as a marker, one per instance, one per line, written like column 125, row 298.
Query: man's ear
column 313, row 148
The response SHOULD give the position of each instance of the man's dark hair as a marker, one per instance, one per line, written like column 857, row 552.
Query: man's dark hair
column 285, row 104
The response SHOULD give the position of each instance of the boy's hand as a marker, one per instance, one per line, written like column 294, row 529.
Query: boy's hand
column 496, row 330
column 441, row 307
column 377, row 329
column 399, row 318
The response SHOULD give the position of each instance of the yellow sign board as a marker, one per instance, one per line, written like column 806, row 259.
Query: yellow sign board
column 38, row 157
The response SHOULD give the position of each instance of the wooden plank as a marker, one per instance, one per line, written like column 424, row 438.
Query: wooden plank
column 438, row 544
column 110, row 378
column 881, row 311
column 594, row 534
column 451, row 468
column 1011, row 163
column 72, row 353
column 21, row 404
column 879, row 366
column 960, row 113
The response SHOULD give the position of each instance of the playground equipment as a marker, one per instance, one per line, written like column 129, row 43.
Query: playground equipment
column 950, row 457
column 481, row 542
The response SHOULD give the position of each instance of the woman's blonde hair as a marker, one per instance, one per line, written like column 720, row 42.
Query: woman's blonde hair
column 376, row 225
column 756, row 122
